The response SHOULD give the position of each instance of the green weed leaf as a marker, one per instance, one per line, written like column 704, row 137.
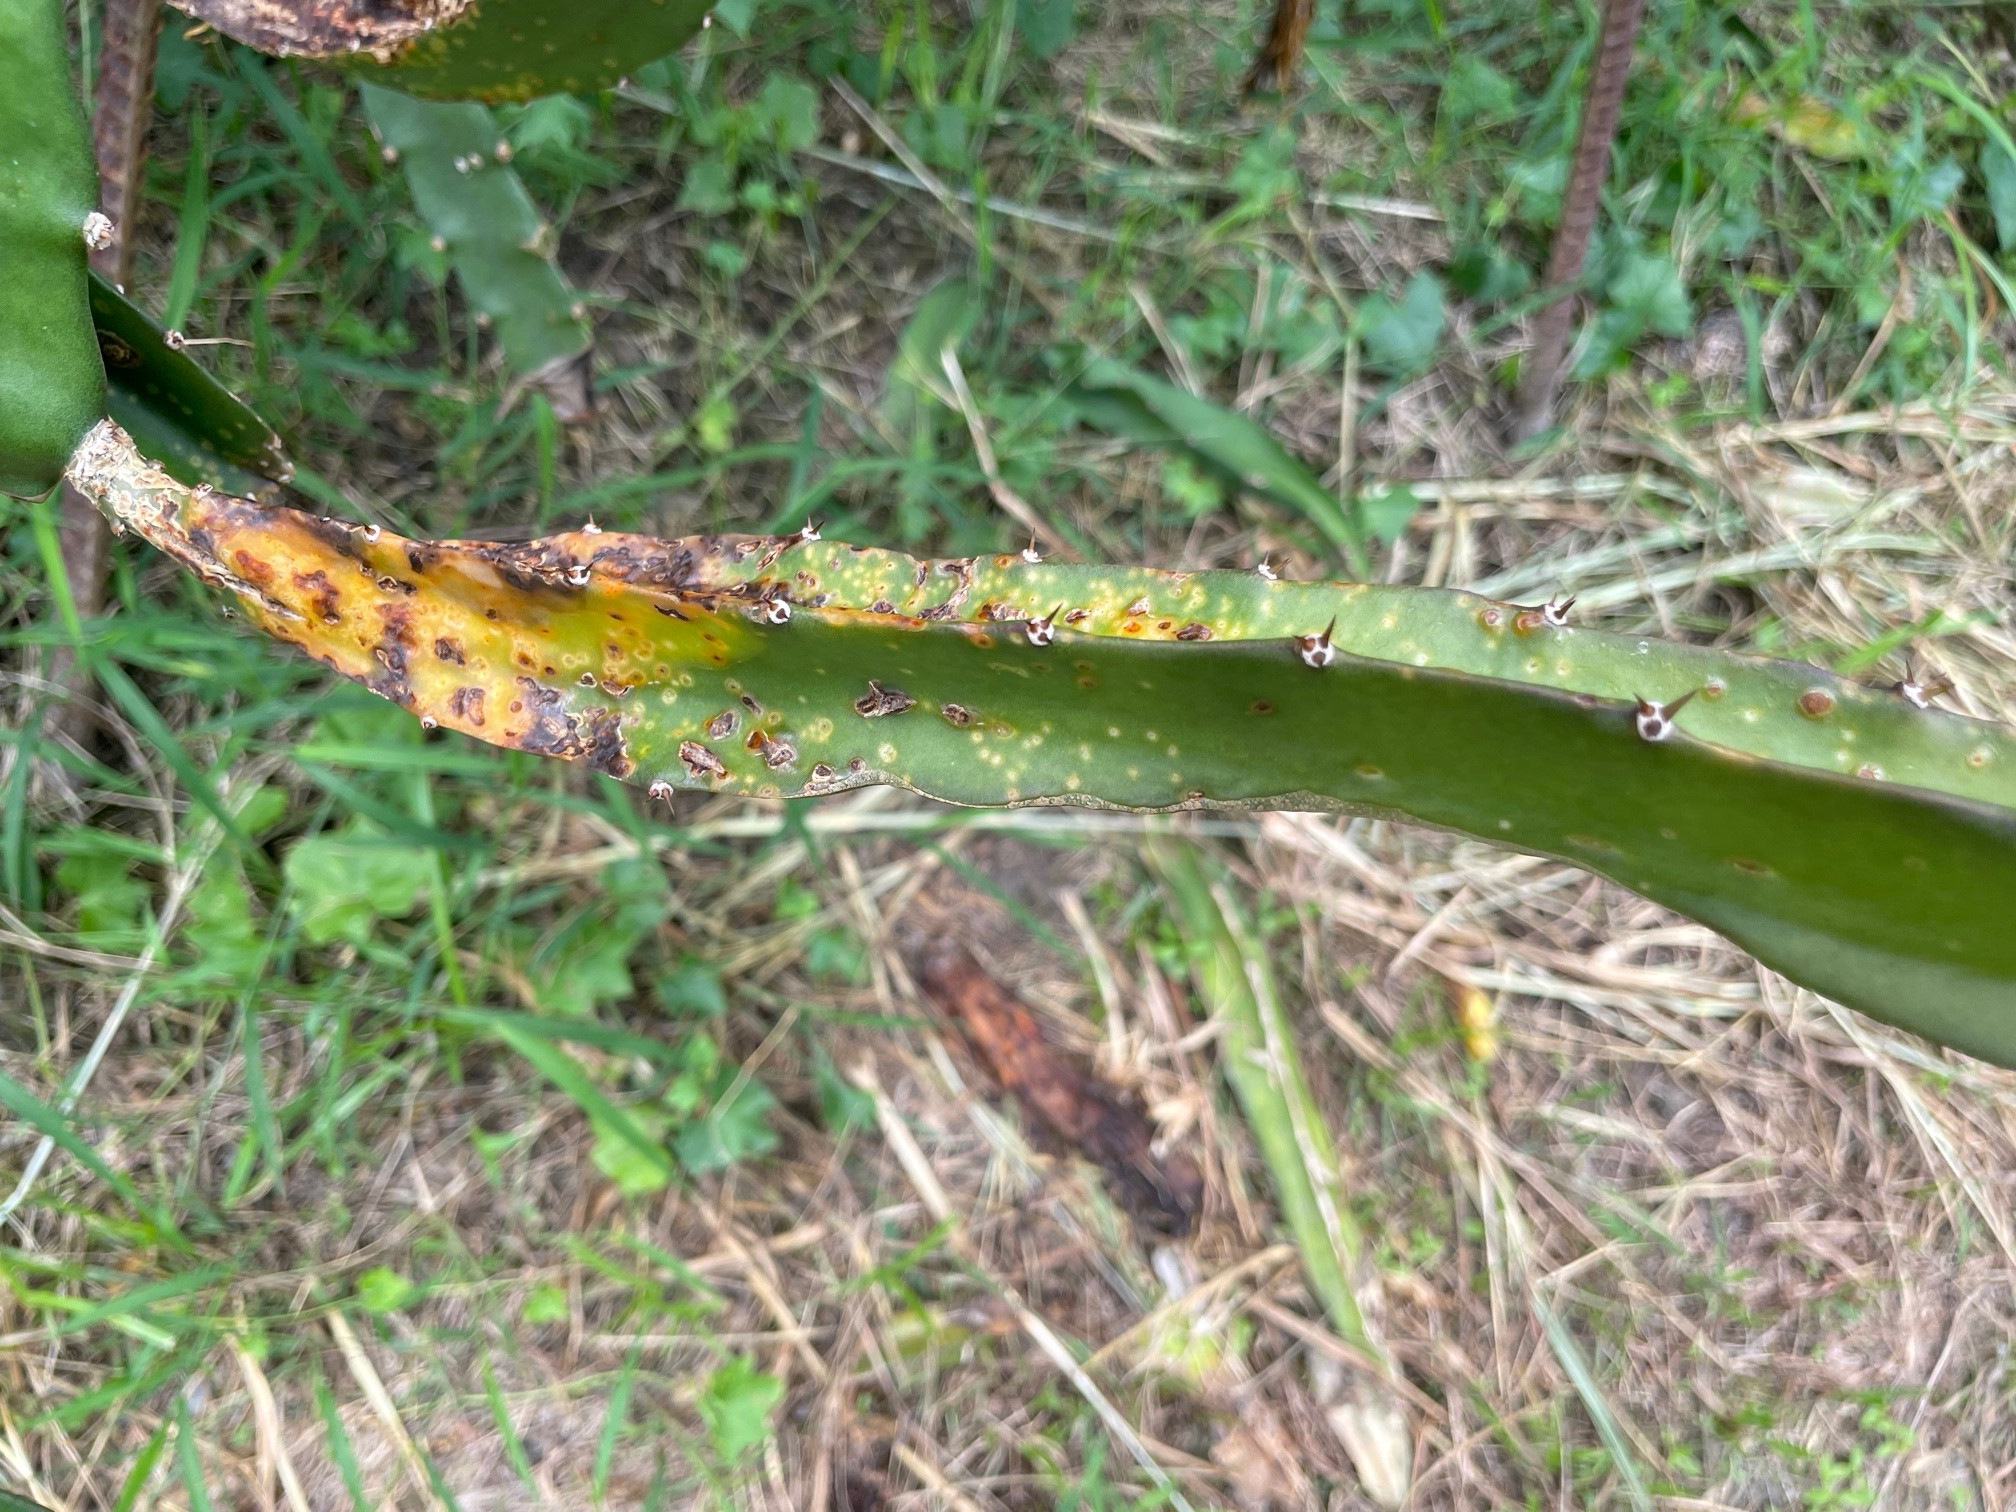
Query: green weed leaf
column 342, row 883
column 1401, row 338
column 736, row 1407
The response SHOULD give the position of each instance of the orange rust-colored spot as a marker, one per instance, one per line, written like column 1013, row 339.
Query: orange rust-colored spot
column 1526, row 621
column 1816, row 703
column 251, row 568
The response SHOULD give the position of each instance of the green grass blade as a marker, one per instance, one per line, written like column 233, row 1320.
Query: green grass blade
column 1236, row 982
column 1150, row 412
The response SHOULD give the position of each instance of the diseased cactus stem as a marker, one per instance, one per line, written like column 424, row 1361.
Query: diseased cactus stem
column 1860, row 844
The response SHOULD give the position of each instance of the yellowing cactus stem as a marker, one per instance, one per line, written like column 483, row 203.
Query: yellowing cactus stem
column 1860, row 844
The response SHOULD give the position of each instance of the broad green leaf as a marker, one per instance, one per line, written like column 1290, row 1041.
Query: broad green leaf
column 341, row 884
column 1400, row 338
column 737, row 1405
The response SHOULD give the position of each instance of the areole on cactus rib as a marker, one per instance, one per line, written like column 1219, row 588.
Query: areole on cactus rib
column 1859, row 844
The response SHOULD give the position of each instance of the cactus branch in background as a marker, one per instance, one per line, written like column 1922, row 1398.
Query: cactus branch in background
column 1609, row 69
column 463, row 50
column 119, row 120
column 1859, row 844
column 457, row 165
column 52, row 387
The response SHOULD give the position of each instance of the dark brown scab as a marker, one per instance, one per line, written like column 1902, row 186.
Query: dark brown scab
column 881, row 606
column 723, row 725
column 1194, row 631
column 856, row 764
column 700, row 761
column 780, row 755
column 593, row 737
column 1163, row 624
column 322, row 596
column 448, row 651
column 1816, row 703
column 1077, row 616
column 880, row 702
column 749, row 703
column 466, row 704
column 957, row 715
column 1260, row 706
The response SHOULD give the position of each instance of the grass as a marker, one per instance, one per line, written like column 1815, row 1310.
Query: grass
column 447, row 1131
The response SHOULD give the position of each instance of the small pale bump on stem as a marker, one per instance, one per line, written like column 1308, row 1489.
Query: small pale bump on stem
column 1654, row 721
column 1919, row 690
column 1317, row 650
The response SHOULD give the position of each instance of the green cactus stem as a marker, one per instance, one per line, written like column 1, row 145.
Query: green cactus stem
column 176, row 412
column 458, row 167
column 1856, row 842
column 52, row 387
column 465, row 50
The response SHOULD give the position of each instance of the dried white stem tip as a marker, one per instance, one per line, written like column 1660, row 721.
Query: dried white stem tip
column 1654, row 722
column 1030, row 554
column 808, row 532
column 1554, row 613
column 578, row 575
column 661, row 790
column 429, row 722
column 591, row 528
column 99, row 231
column 1042, row 632
column 175, row 340
column 372, row 532
column 1266, row 570
column 1316, row 650
column 774, row 611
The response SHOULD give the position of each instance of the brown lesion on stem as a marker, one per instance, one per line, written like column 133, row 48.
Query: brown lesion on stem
column 326, row 28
